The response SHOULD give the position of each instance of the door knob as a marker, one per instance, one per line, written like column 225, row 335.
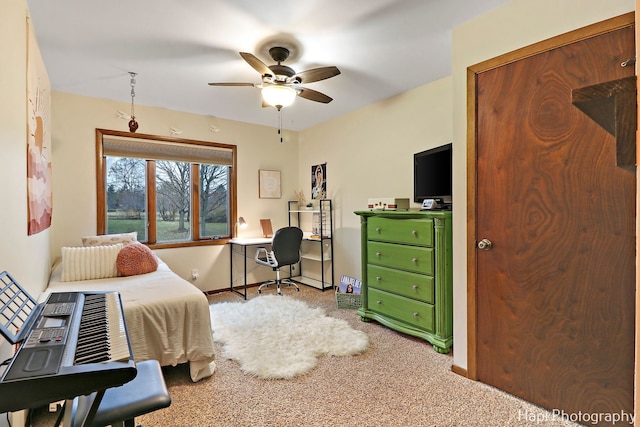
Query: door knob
column 485, row 244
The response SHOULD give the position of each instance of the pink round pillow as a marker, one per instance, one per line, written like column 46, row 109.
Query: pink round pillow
column 135, row 259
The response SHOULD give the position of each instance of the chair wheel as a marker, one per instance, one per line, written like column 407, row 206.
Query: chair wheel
column 259, row 291
column 297, row 289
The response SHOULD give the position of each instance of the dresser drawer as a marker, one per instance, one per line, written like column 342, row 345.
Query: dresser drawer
column 407, row 231
column 411, row 285
column 404, row 257
column 415, row 313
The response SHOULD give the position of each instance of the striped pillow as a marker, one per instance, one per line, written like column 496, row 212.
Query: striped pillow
column 90, row 262
column 110, row 239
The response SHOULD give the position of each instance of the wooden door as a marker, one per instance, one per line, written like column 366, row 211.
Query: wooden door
column 555, row 293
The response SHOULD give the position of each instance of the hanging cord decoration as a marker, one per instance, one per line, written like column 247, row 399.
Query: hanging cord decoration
column 133, row 125
column 280, row 124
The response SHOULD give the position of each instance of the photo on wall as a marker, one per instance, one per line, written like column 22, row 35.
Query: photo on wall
column 319, row 181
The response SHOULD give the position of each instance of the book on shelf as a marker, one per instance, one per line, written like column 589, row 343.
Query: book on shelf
column 321, row 226
column 349, row 285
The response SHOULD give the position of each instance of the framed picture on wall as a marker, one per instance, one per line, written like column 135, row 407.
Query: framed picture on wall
column 269, row 184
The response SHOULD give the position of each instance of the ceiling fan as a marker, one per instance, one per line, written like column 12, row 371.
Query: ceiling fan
column 280, row 83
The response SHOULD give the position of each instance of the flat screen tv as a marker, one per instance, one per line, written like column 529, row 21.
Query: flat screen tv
column 432, row 175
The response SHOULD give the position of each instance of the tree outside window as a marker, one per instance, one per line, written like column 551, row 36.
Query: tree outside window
column 166, row 201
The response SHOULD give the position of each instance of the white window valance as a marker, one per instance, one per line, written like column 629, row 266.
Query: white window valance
column 182, row 151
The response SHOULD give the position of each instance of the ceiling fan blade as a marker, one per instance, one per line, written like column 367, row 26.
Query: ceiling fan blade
column 316, row 74
column 257, row 65
column 233, row 84
column 314, row 95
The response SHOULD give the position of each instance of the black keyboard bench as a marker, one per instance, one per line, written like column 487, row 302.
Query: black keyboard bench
column 146, row 393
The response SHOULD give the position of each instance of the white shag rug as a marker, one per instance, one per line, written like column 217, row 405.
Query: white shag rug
column 276, row 337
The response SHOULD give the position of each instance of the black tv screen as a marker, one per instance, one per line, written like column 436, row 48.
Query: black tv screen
column 432, row 174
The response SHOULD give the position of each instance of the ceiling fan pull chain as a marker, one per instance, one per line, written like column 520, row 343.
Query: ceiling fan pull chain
column 280, row 124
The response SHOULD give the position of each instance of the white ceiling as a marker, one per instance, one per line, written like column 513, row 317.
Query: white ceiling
column 382, row 48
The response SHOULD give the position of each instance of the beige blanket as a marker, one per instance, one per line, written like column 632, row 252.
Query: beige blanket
column 167, row 317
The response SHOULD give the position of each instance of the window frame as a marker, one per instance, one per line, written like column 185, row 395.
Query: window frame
column 194, row 217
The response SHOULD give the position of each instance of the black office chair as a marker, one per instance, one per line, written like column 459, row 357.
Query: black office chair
column 285, row 250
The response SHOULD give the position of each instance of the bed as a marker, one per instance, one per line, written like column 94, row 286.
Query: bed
column 167, row 317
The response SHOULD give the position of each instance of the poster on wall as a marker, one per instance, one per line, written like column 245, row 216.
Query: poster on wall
column 39, row 199
column 319, row 181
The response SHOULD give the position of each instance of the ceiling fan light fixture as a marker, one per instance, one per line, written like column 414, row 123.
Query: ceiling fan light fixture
column 279, row 96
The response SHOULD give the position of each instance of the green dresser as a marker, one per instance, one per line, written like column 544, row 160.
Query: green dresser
column 407, row 273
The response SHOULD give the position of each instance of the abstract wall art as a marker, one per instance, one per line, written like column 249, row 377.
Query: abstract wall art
column 39, row 197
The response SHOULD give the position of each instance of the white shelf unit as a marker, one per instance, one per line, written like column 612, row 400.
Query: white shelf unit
column 316, row 264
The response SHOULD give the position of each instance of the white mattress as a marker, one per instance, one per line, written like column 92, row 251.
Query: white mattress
column 167, row 317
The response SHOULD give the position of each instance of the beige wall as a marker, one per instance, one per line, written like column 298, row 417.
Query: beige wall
column 74, row 122
column 25, row 257
column 507, row 28
column 369, row 153
column 390, row 132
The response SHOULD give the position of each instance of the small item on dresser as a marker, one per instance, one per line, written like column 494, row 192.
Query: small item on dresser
column 388, row 203
column 428, row 204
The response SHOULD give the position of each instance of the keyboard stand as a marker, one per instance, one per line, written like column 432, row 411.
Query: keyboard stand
column 79, row 410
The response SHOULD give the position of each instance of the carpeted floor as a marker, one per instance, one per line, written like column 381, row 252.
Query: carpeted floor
column 398, row 381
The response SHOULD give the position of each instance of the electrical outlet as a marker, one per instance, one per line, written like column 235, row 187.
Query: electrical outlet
column 194, row 274
column 53, row 406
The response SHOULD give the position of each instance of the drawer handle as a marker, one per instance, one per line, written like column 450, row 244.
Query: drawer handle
column 415, row 287
column 378, row 230
column 378, row 278
column 415, row 314
column 415, row 233
column 378, row 302
column 414, row 260
column 378, row 254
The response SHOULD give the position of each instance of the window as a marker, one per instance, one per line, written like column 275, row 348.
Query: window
column 173, row 192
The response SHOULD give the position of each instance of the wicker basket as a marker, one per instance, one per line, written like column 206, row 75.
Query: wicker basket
column 348, row 300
